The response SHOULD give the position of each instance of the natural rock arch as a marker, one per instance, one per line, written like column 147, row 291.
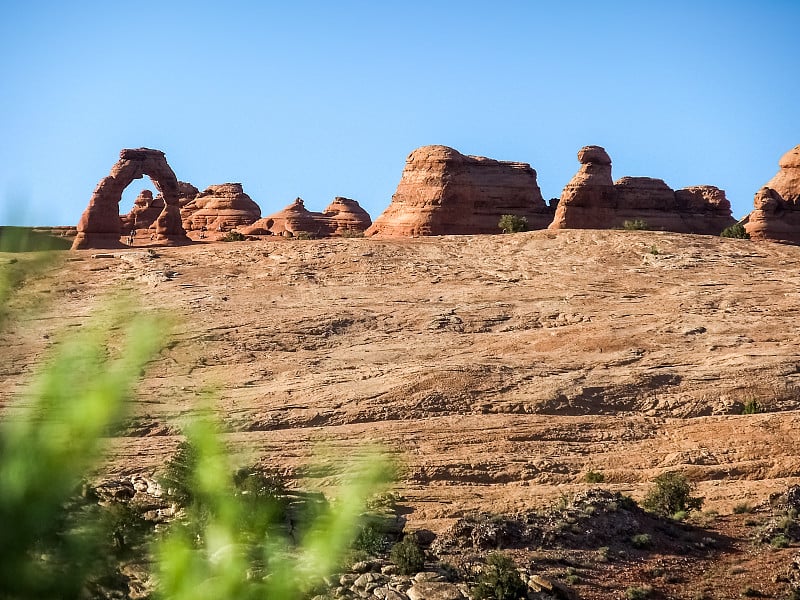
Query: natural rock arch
column 100, row 225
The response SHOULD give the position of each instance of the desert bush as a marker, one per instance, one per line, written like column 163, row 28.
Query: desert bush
column 500, row 580
column 370, row 540
column 751, row 407
column 352, row 233
column 735, row 231
column 594, row 477
column 638, row 592
column 513, row 223
column 636, row 225
column 742, row 508
column 641, row 541
column 408, row 556
column 233, row 236
column 671, row 493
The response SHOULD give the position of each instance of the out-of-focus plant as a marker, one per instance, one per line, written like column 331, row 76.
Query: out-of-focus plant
column 231, row 544
column 50, row 438
column 231, row 540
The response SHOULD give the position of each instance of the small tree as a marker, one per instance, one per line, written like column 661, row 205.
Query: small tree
column 636, row 225
column 500, row 580
column 513, row 223
column 735, row 231
column 671, row 494
column 408, row 556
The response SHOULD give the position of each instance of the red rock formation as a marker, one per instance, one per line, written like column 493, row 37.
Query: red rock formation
column 776, row 213
column 220, row 208
column 442, row 191
column 100, row 223
column 345, row 217
column 342, row 217
column 144, row 213
column 591, row 201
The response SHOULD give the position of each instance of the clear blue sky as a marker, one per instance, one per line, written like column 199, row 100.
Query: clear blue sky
column 324, row 99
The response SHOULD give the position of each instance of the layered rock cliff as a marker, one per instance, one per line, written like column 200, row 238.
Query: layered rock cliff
column 220, row 208
column 443, row 192
column 342, row 217
column 592, row 201
column 776, row 212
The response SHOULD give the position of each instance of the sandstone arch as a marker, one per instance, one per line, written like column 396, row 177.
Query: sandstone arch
column 100, row 225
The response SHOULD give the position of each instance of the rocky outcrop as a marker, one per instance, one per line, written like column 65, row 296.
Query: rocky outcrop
column 144, row 213
column 442, row 192
column 100, row 224
column 342, row 217
column 592, row 201
column 220, row 208
column 346, row 217
column 776, row 210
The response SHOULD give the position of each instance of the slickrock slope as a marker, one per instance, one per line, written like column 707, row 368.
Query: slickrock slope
column 100, row 223
column 342, row 217
column 499, row 369
column 443, row 192
column 220, row 208
column 776, row 215
column 591, row 201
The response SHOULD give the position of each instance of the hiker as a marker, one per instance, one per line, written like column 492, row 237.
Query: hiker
column 131, row 237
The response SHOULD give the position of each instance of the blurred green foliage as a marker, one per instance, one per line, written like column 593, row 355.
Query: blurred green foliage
column 231, row 538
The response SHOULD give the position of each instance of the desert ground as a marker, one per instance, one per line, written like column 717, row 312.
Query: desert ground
column 498, row 370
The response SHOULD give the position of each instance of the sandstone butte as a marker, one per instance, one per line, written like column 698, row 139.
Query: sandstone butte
column 443, row 192
column 100, row 225
column 342, row 217
column 592, row 200
column 776, row 212
column 220, row 208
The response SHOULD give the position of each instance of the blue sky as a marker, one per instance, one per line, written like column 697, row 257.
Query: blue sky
column 319, row 99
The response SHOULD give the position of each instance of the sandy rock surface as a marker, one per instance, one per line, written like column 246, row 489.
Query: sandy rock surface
column 498, row 369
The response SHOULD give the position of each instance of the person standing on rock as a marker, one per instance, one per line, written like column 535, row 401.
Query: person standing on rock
column 131, row 237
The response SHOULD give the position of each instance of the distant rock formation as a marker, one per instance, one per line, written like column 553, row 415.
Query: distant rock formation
column 144, row 213
column 220, row 208
column 443, row 192
column 100, row 224
column 591, row 200
column 346, row 217
column 776, row 213
column 342, row 217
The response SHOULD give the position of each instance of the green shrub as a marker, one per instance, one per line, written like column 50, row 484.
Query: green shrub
column 751, row 407
column 370, row 540
column 735, row 231
column 594, row 477
column 233, row 236
column 513, row 224
column 638, row 592
column 742, row 508
column 779, row 541
column 408, row 556
column 641, row 541
column 500, row 580
column 636, row 225
column 671, row 494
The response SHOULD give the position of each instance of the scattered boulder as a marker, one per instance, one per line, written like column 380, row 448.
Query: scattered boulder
column 443, row 192
column 342, row 217
column 592, row 201
column 776, row 210
column 100, row 224
column 220, row 208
